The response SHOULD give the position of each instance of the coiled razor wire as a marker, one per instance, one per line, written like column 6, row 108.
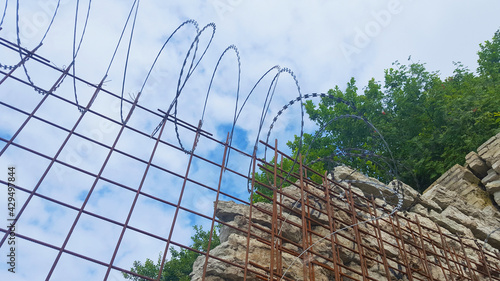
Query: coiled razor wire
column 185, row 74
column 4, row 12
column 395, row 192
column 18, row 36
column 235, row 118
column 181, row 83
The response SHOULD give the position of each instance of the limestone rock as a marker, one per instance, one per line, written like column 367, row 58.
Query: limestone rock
column 456, row 178
column 451, row 225
column 454, row 214
column 409, row 195
column 439, row 195
column 366, row 184
column 421, row 210
column 496, row 197
column 490, row 150
column 476, row 164
column 496, row 165
column 234, row 251
column 493, row 187
column 492, row 175
column 370, row 186
column 458, row 204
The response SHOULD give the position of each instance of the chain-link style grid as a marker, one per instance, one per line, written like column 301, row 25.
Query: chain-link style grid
column 350, row 220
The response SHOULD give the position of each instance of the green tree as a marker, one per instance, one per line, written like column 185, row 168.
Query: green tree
column 286, row 174
column 347, row 134
column 264, row 180
column 489, row 58
column 181, row 263
column 414, row 125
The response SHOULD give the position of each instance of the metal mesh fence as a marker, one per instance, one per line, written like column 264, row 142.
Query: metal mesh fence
column 85, row 203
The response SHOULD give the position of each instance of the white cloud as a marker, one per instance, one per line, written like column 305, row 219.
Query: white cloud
column 307, row 37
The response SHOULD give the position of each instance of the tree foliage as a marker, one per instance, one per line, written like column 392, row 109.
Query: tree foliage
column 287, row 172
column 414, row 125
column 181, row 263
column 265, row 181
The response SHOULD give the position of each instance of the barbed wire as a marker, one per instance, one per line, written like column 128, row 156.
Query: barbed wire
column 4, row 12
column 397, row 192
column 77, row 49
column 129, row 47
column 185, row 74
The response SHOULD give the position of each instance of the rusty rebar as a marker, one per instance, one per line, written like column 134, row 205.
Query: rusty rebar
column 447, row 259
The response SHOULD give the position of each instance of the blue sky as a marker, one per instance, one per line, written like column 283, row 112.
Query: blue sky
column 324, row 43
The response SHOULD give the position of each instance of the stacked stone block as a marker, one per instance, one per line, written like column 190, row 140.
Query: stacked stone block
column 462, row 203
column 465, row 199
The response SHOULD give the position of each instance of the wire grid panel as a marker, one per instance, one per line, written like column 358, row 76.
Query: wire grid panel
column 95, row 193
column 329, row 231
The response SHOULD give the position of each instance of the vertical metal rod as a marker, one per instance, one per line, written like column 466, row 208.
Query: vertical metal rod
column 80, row 211
column 378, row 235
column 222, row 167
column 186, row 175
column 421, row 236
column 52, row 160
column 303, row 217
column 471, row 272
column 309, row 232
column 401, row 248
column 421, row 254
column 275, row 210
column 309, row 241
column 446, row 250
column 16, row 134
column 254, row 159
column 279, row 264
column 486, row 264
column 459, row 265
column 52, row 89
column 497, row 268
column 331, row 223
column 357, row 235
column 439, row 259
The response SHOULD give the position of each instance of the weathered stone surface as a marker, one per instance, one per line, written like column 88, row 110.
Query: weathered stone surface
column 370, row 186
column 440, row 195
column 493, row 186
column 421, row 210
column 486, row 229
column 459, row 217
column 492, row 154
column 233, row 250
column 476, row 199
column 484, row 147
column 451, row 225
column 491, row 176
column 496, row 165
column 490, row 150
column 409, row 195
column 476, row 164
column 456, row 178
column 366, row 184
column 430, row 204
column 496, row 197
column 459, row 203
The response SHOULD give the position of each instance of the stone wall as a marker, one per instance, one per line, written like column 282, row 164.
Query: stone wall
column 329, row 231
column 465, row 199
